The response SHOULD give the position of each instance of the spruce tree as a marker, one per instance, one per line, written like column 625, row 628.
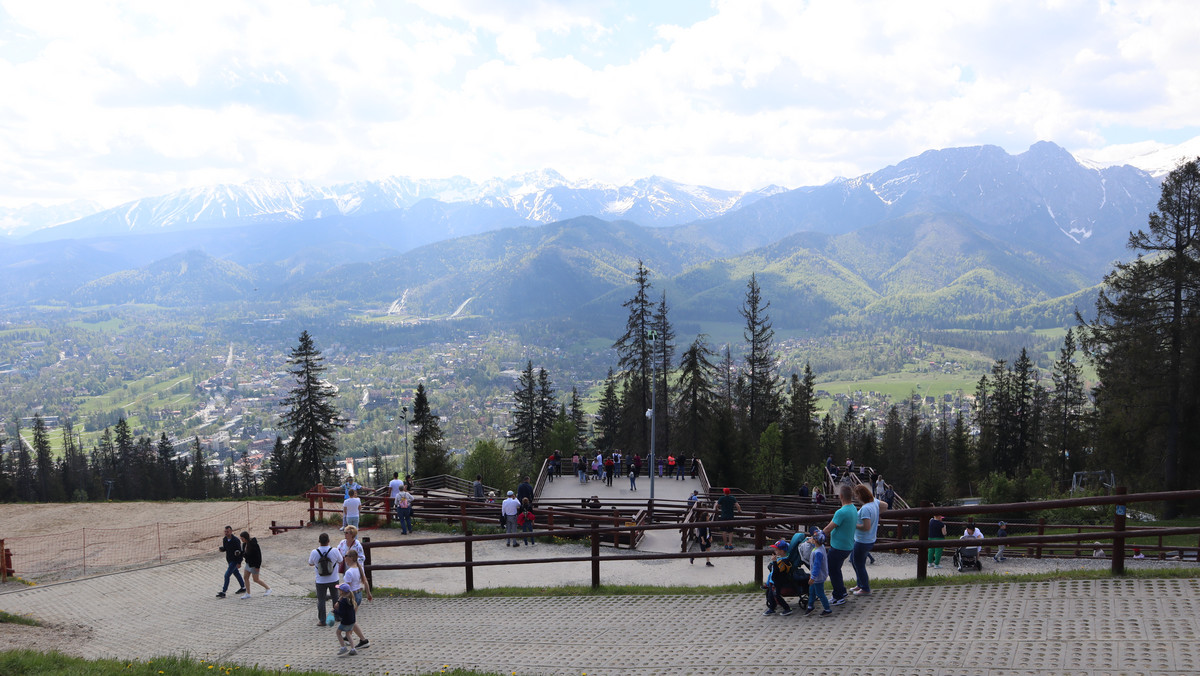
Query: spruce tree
column 429, row 457
column 1067, row 425
column 524, row 430
column 635, row 362
column 49, row 489
column 310, row 414
column 695, row 399
column 579, row 420
column 664, row 353
column 608, row 416
column 762, row 380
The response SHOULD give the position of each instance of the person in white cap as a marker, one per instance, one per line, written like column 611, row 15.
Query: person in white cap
column 508, row 514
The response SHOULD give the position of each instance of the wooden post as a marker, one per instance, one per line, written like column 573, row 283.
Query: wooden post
column 3, row 562
column 616, row 517
column 387, row 503
column 1118, row 558
column 595, row 554
column 760, row 542
column 1037, row 552
column 367, row 564
column 312, row 506
column 467, row 552
column 923, row 550
column 158, row 534
column 550, row 518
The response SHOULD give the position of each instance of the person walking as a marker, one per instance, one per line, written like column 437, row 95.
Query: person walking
column 508, row 514
column 477, row 487
column 347, row 612
column 1001, row 532
column 840, row 532
column 233, row 560
column 864, row 538
column 728, row 504
column 356, row 581
column 704, row 539
column 349, row 485
column 350, row 544
column 937, row 531
column 632, row 478
column 819, row 573
column 324, row 560
column 253, row 558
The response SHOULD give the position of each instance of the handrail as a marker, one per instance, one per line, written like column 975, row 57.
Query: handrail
column 1118, row 535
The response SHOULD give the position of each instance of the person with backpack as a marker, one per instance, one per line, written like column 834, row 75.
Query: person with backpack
column 324, row 560
column 525, row 519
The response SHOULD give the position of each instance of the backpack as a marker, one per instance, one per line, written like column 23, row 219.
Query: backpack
column 324, row 563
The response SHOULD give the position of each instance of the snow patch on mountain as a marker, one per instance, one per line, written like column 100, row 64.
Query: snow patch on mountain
column 1156, row 159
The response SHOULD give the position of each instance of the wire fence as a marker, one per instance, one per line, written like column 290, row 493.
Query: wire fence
column 92, row 551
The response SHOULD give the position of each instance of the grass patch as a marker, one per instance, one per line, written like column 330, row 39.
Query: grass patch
column 572, row 590
column 751, row 588
column 9, row 618
column 21, row 662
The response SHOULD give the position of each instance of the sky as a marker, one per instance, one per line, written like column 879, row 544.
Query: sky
column 112, row 101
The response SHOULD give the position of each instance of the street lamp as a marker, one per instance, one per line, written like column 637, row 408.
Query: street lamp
column 651, row 335
column 404, row 417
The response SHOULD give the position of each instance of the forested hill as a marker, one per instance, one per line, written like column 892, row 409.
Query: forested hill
column 944, row 239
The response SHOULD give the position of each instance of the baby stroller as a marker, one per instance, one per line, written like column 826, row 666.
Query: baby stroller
column 793, row 568
column 967, row 556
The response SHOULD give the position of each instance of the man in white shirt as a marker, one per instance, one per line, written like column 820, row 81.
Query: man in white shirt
column 509, row 509
column 324, row 560
column 350, row 509
column 394, row 488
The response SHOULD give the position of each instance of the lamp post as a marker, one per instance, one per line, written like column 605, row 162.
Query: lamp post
column 404, row 417
column 651, row 335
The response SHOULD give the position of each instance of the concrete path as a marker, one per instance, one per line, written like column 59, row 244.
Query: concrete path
column 1081, row 627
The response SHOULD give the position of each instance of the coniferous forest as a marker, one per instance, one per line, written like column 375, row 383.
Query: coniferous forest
column 1119, row 393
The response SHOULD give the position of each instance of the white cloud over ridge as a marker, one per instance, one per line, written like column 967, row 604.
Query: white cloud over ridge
column 111, row 101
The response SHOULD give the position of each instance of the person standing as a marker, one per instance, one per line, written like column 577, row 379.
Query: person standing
column 350, row 509
column 804, row 491
column 637, row 464
column 632, row 479
column 610, row 467
column 617, row 460
column 349, row 485
column 253, row 558
column 350, row 544
column 704, row 539
column 508, row 514
column 937, row 531
column 525, row 490
column 477, row 487
column 728, row 504
column 404, row 509
column 1001, row 532
column 864, row 538
column 670, row 466
column 394, row 488
column 525, row 519
column 233, row 560
column 840, row 532
column 324, row 560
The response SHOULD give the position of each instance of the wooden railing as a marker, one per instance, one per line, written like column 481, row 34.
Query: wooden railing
column 761, row 526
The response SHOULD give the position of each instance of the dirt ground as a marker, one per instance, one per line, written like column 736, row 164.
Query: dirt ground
column 44, row 519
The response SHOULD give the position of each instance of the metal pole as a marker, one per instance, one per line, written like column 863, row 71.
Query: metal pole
column 653, row 415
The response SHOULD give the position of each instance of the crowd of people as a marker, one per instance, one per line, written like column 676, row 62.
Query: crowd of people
column 605, row 468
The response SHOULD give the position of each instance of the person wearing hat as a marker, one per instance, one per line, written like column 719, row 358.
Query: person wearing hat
column 347, row 621
column 1001, row 532
column 774, row 597
column 818, row 572
column 508, row 515
column 727, row 504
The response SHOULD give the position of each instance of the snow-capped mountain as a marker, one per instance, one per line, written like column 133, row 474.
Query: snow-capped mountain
column 1153, row 158
column 541, row 197
column 27, row 219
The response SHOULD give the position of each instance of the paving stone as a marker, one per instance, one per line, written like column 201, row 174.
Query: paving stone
column 1088, row 627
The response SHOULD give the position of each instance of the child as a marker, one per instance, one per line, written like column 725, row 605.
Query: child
column 816, row 579
column 704, row 537
column 1001, row 532
column 778, row 553
column 346, row 617
column 356, row 582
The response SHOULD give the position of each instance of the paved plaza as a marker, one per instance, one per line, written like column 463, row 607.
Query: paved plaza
column 1076, row 627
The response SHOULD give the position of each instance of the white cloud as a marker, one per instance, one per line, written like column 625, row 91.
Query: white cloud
column 115, row 100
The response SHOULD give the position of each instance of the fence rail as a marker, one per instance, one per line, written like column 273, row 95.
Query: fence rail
column 761, row 524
